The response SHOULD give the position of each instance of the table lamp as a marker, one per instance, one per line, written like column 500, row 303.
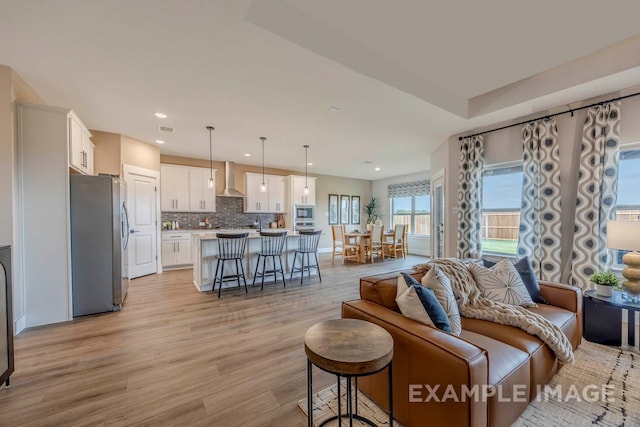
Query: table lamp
column 625, row 235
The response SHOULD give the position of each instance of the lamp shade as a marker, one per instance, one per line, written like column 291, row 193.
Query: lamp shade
column 624, row 235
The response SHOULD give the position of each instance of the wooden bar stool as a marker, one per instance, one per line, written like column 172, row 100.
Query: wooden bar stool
column 231, row 247
column 308, row 244
column 271, row 246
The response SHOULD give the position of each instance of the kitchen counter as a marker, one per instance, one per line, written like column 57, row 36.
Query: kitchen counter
column 205, row 251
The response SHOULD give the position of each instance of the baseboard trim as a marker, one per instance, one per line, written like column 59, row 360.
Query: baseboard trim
column 19, row 325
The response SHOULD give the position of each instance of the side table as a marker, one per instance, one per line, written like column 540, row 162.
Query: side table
column 603, row 318
column 348, row 348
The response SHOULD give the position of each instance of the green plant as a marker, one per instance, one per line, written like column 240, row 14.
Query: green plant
column 370, row 209
column 604, row 278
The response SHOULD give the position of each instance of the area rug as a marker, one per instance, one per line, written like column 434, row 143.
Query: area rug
column 602, row 388
column 325, row 406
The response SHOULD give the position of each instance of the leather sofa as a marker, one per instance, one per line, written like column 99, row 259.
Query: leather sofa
column 432, row 369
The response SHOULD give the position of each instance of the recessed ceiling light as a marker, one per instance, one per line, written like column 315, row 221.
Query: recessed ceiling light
column 309, row 164
column 376, row 169
column 159, row 141
column 160, row 115
column 247, row 154
column 334, row 108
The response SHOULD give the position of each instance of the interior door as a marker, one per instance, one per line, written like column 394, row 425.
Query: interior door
column 437, row 209
column 142, row 250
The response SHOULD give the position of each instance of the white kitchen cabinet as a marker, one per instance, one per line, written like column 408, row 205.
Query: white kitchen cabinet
column 201, row 197
column 272, row 200
column 176, row 249
column 295, row 190
column 80, row 146
column 174, row 188
column 276, row 187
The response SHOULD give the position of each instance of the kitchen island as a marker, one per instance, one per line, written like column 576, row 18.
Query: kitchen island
column 205, row 251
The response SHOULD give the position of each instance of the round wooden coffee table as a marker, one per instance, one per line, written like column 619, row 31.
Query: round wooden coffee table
column 348, row 348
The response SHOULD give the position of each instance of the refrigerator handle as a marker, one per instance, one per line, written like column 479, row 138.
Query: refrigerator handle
column 126, row 227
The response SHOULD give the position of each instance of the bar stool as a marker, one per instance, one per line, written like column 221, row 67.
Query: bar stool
column 231, row 247
column 307, row 244
column 271, row 246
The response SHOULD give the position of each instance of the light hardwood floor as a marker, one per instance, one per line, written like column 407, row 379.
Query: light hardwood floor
column 174, row 356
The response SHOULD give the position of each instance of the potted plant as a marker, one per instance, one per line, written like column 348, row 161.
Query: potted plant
column 371, row 210
column 604, row 282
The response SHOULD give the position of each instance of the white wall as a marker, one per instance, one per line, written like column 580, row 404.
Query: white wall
column 506, row 145
column 418, row 245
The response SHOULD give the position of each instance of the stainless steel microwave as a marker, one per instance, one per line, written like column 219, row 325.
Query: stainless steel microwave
column 304, row 212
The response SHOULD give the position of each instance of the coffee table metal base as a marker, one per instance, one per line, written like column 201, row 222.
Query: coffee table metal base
column 350, row 415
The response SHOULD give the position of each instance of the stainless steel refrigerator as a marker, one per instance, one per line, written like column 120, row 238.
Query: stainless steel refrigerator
column 99, row 237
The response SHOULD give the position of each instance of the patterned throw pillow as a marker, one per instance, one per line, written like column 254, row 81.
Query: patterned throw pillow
column 502, row 283
column 437, row 281
column 528, row 276
column 419, row 303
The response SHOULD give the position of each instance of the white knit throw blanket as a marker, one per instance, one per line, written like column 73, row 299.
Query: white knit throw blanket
column 473, row 305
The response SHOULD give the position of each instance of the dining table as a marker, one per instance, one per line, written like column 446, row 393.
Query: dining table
column 359, row 238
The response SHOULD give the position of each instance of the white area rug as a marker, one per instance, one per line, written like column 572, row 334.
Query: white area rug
column 580, row 403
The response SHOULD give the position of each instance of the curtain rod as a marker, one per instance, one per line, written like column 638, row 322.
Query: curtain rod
column 548, row 116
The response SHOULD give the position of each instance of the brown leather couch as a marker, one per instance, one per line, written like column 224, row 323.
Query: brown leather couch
column 512, row 361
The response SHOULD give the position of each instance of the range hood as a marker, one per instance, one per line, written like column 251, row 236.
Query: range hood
column 230, row 181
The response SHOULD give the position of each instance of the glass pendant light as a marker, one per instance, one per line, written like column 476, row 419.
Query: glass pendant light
column 306, row 186
column 211, row 183
column 263, row 186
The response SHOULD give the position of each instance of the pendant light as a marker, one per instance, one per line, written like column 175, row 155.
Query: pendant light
column 263, row 186
column 306, row 164
column 211, row 183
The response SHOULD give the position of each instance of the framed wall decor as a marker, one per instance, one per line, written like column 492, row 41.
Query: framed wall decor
column 334, row 209
column 345, row 208
column 355, row 209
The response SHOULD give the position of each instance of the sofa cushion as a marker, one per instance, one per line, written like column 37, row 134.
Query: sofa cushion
column 528, row 275
column 501, row 283
column 420, row 303
column 382, row 288
column 564, row 319
column 441, row 286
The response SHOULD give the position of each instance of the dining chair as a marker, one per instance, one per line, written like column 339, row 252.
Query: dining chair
column 342, row 246
column 374, row 244
column 395, row 245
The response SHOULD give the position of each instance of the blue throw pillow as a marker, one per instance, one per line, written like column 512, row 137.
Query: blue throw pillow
column 528, row 276
column 430, row 303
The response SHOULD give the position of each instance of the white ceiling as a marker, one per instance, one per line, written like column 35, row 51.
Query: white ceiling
column 402, row 73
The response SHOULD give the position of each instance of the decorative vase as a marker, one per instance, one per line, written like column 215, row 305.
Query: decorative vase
column 603, row 290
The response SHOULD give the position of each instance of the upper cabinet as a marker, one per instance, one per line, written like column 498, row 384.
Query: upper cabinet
column 185, row 189
column 295, row 190
column 80, row 146
column 202, row 198
column 257, row 201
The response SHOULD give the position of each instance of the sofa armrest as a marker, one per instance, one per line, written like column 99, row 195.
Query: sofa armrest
column 561, row 295
column 424, row 355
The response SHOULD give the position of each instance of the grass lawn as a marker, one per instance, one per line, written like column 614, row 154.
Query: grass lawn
column 500, row 246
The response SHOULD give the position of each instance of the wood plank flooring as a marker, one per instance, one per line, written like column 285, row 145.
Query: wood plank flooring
column 174, row 356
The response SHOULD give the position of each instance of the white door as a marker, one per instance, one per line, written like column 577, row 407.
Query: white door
column 438, row 215
column 141, row 194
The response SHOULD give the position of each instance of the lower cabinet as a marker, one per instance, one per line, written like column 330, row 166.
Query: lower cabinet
column 176, row 250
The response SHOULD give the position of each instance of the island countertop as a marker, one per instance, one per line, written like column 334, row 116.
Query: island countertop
column 253, row 234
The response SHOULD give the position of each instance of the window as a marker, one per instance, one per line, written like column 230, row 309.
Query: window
column 501, row 202
column 628, row 207
column 414, row 211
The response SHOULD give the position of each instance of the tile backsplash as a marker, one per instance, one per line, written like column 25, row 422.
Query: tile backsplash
column 228, row 215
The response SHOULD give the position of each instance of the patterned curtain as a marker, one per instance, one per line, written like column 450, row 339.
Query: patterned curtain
column 540, row 229
column 408, row 189
column 597, row 192
column 470, row 197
